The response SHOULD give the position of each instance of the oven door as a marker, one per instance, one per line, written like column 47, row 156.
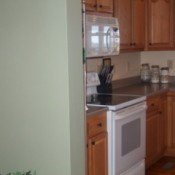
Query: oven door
column 127, row 138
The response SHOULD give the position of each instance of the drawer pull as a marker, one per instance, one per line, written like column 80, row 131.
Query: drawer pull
column 100, row 124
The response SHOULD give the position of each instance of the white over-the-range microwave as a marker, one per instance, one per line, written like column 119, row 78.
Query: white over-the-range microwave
column 102, row 36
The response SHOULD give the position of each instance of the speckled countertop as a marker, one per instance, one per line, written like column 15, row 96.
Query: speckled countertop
column 145, row 89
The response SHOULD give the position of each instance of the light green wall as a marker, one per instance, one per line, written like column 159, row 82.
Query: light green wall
column 41, row 87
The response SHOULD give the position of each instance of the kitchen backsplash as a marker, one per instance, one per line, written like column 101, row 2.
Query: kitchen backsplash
column 128, row 64
column 125, row 65
column 161, row 58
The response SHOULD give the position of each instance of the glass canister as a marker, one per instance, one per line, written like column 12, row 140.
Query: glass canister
column 164, row 75
column 145, row 73
column 155, row 74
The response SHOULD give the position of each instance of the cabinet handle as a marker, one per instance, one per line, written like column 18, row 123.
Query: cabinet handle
column 100, row 6
column 100, row 124
column 150, row 44
column 93, row 143
column 152, row 104
column 132, row 44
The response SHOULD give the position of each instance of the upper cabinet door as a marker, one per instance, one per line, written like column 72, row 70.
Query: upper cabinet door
column 131, row 16
column 105, row 6
column 91, row 5
column 123, row 13
column 160, row 24
column 138, row 24
column 99, row 7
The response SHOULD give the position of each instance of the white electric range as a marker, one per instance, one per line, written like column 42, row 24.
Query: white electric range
column 126, row 130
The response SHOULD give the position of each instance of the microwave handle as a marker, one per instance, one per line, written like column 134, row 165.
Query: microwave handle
column 107, row 41
column 107, row 36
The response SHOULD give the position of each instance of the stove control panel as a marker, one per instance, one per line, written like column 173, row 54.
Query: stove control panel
column 92, row 79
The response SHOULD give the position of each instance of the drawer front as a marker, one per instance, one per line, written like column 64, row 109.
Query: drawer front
column 153, row 104
column 96, row 124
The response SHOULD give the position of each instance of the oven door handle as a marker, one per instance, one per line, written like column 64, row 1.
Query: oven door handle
column 128, row 112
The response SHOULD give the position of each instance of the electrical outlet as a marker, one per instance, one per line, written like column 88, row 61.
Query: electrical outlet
column 170, row 64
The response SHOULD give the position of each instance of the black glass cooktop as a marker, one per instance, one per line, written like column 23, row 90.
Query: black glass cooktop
column 110, row 99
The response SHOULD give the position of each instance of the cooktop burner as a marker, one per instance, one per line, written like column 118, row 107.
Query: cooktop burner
column 113, row 101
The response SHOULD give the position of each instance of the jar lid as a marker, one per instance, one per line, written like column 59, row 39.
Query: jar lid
column 145, row 64
column 155, row 66
column 165, row 68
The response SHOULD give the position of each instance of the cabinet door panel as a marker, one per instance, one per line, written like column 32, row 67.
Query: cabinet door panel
column 152, row 139
column 131, row 16
column 123, row 13
column 163, row 124
column 160, row 23
column 97, row 155
column 170, row 125
column 90, row 5
column 171, row 122
column 105, row 6
column 138, row 23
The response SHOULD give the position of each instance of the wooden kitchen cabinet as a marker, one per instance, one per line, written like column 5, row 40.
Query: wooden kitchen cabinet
column 97, row 148
column 131, row 16
column 155, row 128
column 160, row 25
column 163, row 123
column 170, row 124
column 99, row 6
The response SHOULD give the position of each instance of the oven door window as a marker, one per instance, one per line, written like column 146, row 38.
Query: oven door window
column 130, row 136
